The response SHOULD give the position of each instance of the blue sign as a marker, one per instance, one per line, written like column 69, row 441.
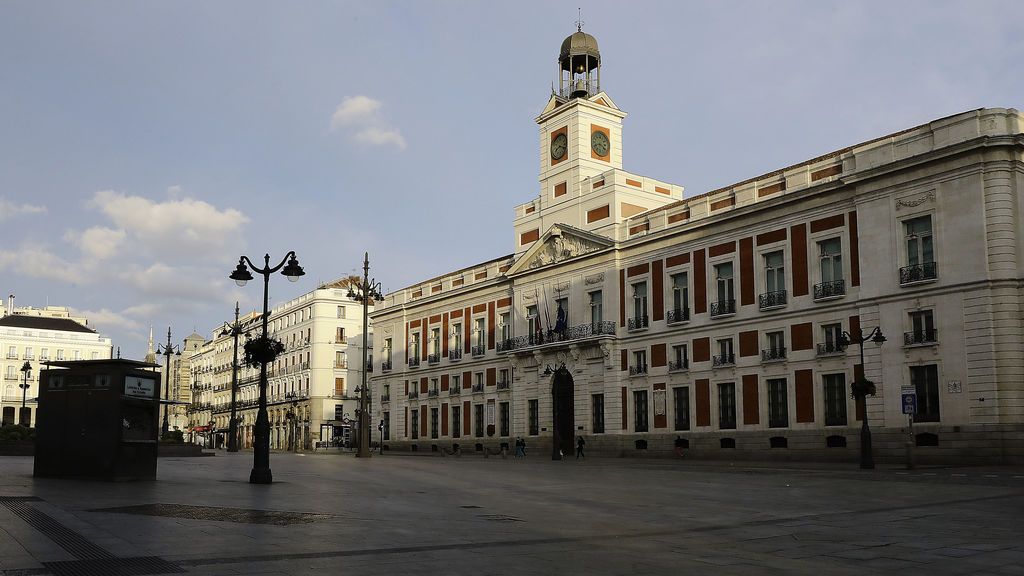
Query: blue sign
column 909, row 403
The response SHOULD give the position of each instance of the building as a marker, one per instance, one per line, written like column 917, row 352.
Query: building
column 636, row 317
column 32, row 336
column 311, row 392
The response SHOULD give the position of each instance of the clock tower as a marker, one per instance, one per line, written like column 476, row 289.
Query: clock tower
column 581, row 155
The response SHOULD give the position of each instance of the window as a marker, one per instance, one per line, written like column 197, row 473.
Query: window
column 727, row 405
column 533, row 324
column 725, row 353
column 503, row 379
column 478, row 382
column 456, row 338
column 832, row 334
column 926, row 384
column 386, row 419
column 340, row 359
column 597, row 413
column 28, row 352
column 776, row 349
column 341, row 311
column 681, row 402
column 774, row 281
column 506, row 326
column 920, row 250
column 76, row 355
column 44, row 354
column 639, row 363
column 387, row 354
column 94, row 355
column 414, row 422
column 563, row 304
column 478, row 419
column 680, row 311
column 778, row 404
column 414, row 348
column 339, row 337
column 726, row 303
column 923, row 324
column 60, row 354
column 679, row 361
column 640, row 410
column 639, row 319
column 533, row 414
column 503, row 418
column 835, row 399
column 596, row 313
column 830, row 254
column 12, row 352
column 434, row 346
column 456, row 421
column 433, row 422
column 480, row 336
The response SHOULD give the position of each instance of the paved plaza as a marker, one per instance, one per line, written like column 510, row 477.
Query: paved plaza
column 335, row 514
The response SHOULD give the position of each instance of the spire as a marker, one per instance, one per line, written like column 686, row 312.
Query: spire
column 151, row 352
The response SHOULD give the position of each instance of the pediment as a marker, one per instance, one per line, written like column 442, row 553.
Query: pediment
column 559, row 244
column 602, row 99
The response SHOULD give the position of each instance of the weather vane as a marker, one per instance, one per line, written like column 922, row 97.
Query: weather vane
column 579, row 19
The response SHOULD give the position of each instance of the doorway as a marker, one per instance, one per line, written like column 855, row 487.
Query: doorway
column 564, row 410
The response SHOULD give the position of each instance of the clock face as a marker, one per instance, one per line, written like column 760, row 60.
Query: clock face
column 558, row 145
column 599, row 142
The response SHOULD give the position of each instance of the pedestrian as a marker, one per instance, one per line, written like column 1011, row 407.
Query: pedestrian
column 520, row 448
column 680, row 444
column 579, row 447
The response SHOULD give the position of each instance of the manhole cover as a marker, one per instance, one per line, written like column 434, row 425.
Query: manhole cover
column 239, row 515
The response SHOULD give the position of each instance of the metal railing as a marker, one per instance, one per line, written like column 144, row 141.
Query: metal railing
column 414, row 362
column 433, row 393
column 723, row 307
column 434, row 358
column 385, row 398
column 455, row 354
column 478, row 388
column 478, row 351
column 504, row 385
column 927, row 336
column 772, row 299
column 830, row 349
column 638, row 370
column 678, row 315
column 385, row 366
column 773, row 354
column 678, row 365
column 454, row 391
column 580, row 332
column 918, row 273
column 723, row 360
column 413, row 394
column 829, row 289
column 638, row 323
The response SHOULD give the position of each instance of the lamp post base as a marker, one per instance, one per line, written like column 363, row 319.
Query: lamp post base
column 261, row 476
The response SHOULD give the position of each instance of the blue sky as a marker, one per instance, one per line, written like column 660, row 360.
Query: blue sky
column 144, row 146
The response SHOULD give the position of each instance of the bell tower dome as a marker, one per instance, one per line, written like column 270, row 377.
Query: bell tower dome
column 579, row 65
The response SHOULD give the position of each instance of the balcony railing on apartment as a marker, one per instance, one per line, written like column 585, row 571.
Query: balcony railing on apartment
column 678, row 365
column 723, row 307
column 478, row 351
column 414, row 362
column 723, row 360
column 638, row 323
column 337, row 364
column 918, row 273
column 678, row 315
column 385, row 397
column 385, row 366
column 433, row 393
column 454, row 391
column 573, row 333
column 413, row 394
column 928, row 336
column 455, row 354
column 638, row 370
column 503, row 385
column 830, row 349
column 773, row 354
column 434, row 358
column 832, row 289
column 770, row 300
column 478, row 388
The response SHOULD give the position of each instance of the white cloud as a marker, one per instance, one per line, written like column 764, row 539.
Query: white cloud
column 98, row 242
column 38, row 262
column 164, row 282
column 355, row 109
column 378, row 137
column 104, row 319
column 9, row 209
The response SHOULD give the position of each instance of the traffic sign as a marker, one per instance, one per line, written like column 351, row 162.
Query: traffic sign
column 909, row 403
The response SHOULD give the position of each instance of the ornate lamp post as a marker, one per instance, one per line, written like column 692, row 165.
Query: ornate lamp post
column 261, row 473
column 368, row 289
column 26, row 372
column 234, row 330
column 167, row 350
column 861, row 388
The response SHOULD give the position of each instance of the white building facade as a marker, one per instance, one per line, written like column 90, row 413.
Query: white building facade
column 638, row 318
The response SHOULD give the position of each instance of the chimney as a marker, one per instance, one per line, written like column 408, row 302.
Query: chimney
column 10, row 304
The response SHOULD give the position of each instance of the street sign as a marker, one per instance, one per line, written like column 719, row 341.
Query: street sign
column 909, row 403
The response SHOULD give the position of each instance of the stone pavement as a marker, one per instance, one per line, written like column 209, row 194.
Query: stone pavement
column 333, row 514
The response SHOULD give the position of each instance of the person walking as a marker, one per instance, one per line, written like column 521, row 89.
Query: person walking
column 680, row 444
column 580, row 442
column 520, row 448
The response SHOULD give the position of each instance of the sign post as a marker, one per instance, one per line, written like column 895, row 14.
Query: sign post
column 909, row 401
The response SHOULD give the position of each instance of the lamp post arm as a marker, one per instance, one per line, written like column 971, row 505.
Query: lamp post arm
column 267, row 270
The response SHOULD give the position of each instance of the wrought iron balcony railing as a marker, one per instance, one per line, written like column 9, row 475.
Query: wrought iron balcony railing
column 773, row 354
column 833, row 289
column 414, row 394
column 454, row 391
column 918, row 273
column 385, row 366
column 504, row 385
column 927, row 336
column 770, row 300
column 638, row 370
column 678, row 365
column 478, row 388
column 830, row 349
column 434, row 358
column 455, row 354
column 723, row 360
column 414, row 362
column 385, row 398
column 478, row 351
column 638, row 323
column 433, row 393
column 723, row 307
column 678, row 315
column 580, row 332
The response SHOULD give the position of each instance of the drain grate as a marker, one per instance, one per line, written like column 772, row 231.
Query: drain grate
column 65, row 537
column 114, row 567
column 501, row 518
column 238, row 515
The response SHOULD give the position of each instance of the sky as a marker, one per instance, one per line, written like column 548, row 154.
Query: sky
column 146, row 146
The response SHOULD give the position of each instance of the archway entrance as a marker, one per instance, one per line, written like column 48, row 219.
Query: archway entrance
column 564, row 413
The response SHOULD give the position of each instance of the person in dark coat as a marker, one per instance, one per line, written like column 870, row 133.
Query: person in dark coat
column 579, row 447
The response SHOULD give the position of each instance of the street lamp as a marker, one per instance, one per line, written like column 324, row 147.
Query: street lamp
column 234, row 330
column 261, row 473
column 167, row 350
column 862, row 387
column 26, row 371
column 368, row 289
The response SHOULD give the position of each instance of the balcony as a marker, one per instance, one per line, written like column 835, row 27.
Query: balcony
column 827, row 290
column 678, row 365
column 478, row 388
column 414, row 362
column 433, row 393
column 455, row 354
column 385, row 398
column 341, row 340
column 504, row 385
column 921, row 337
column 678, row 315
column 414, row 394
column 385, row 366
column 369, row 365
column 771, row 300
column 454, row 391
column 831, row 349
column 12, row 355
column 723, row 360
column 434, row 358
column 478, row 351
column 773, row 354
column 573, row 333
column 340, row 365
column 924, row 272
column 638, row 323
column 638, row 370
column 723, row 308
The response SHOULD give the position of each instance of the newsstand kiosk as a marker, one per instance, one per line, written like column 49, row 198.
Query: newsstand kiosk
column 98, row 419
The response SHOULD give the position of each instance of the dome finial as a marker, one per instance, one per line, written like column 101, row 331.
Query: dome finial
column 579, row 19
